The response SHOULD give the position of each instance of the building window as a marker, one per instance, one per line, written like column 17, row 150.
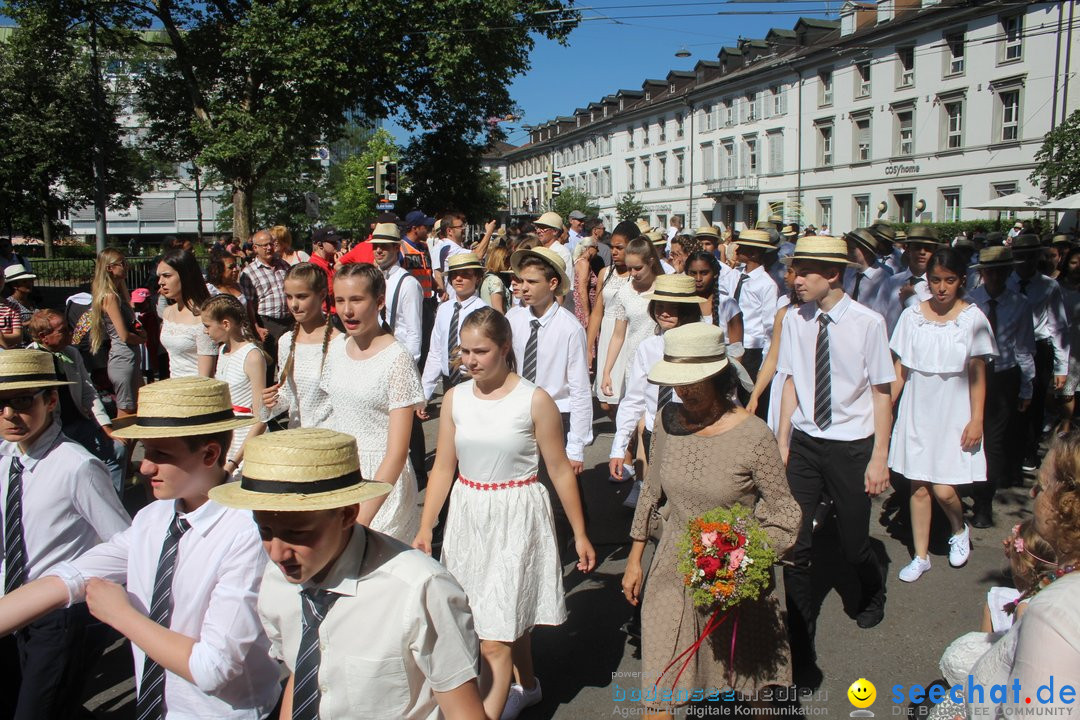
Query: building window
column 646, row 179
column 950, row 204
column 905, row 134
column 862, row 210
column 662, row 167
column 644, row 133
column 630, row 137
column 680, row 168
column 1012, row 33
column 707, row 162
column 662, row 125
column 862, row 79
column 751, row 156
column 729, row 112
column 825, row 145
column 708, row 116
column 824, row 214
column 826, row 91
column 678, row 125
column 1009, row 103
column 954, row 53
column 779, row 100
column 605, row 182
column 729, row 159
column 862, row 140
column 954, row 125
column 905, row 67
column 631, row 172
column 776, row 152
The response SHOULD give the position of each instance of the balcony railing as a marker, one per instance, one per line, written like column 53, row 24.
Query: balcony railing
column 732, row 185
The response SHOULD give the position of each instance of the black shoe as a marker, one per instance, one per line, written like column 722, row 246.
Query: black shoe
column 807, row 679
column 873, row 613
column 982, row 518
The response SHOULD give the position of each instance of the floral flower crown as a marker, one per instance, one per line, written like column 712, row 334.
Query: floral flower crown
column 1020, row 547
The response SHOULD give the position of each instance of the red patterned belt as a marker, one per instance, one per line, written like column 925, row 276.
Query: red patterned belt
column 496, row 486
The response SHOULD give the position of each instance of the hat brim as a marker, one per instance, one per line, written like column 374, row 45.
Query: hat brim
column 23, row 276
column 998, row 264
column 234, row 495
column 675, row 374
column 519, row 255
column 923, row 241
column 817, row 258
column 385, row 241
column 711, row 236
column 128, row 428
column 652, row 295
column 756, row 243
column 33, row 384
column 1027, row 250
column 469, row 266
column 861, row 242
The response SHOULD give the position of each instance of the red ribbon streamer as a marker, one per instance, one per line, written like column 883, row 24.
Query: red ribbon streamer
column 692, row 651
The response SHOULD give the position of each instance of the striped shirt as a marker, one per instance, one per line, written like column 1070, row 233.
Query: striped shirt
column 266, row 283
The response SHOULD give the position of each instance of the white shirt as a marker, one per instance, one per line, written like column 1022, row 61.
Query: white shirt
column 1049, row 316
column 450, row 248
column 640, row 397
column 859, row 357
column 1015, row 334
column 219, row 567
column 404, row 308
column 667, row 267
column 561, row 367
column 573, row 238
column 758, row 303
column 400, row 631
column 875, row 278
column 889, row 298
column 437, row 363
column 564, row 253
column 68, row 501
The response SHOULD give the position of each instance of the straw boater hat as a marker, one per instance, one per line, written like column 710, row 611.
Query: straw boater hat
column 821, row 248
column 16, row 272
column 963, row 241
column 643, row 225
column 676, row 288
column 995, row 256
column 756, row 238
column 28, row 369
column 1025, row 243
column 551, row 220
column 692, row 353
column 776, row 219
column 463, row 261
column 299, row 471
column 386, row 234
column 179, row 407
column 656, row 237
column 867, row 241
column 707, row 231
column 923, row 235
column 789, row 232
column 1059, row 239
column 883, row 231
column 550, row 257
column 901, row 236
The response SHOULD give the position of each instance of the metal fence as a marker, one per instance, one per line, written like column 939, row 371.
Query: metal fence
column 78, row 272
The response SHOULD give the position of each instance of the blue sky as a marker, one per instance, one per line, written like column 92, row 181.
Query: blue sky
column 639, row 41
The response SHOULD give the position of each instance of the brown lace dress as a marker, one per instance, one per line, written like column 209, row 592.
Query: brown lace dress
column 697, row 474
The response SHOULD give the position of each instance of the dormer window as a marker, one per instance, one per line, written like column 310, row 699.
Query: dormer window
column 671, row 88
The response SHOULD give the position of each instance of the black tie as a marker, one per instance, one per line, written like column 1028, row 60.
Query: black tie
column 530, row 352
column 992, row 315
column 663, row 397
column 14, row 544
column 913, row 281
column 738, row 287
column 858, row 281
column 452, row 350
column 315, row 604
column 151, row 703
column 822, row 376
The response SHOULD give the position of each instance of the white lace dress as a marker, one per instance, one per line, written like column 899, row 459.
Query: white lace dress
column 230, row 369
column 500, row 544
column 613, row 281
column 302, row 393
column 935, row 406
column 362, row 393
column 185, row 343
column 629, row 305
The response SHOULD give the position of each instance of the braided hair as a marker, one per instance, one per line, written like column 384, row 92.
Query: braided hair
column 714, row 266
column 226, row 307
column 315, row 279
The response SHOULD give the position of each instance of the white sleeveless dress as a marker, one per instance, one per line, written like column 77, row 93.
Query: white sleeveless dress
column 500, row 543
column 362, row 394
column 302, row 393
column 230, row 369
column 607, row 328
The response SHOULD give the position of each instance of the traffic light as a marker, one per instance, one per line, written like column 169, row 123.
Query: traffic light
column 556, row 183
column 390, row 180
column 373, row 178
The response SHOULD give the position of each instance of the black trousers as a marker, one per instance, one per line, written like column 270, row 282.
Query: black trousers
column 55, row 655
column 835, row 467
column 276, row 327
column 1004, row 452
column 751, row 360
column 1034, row 415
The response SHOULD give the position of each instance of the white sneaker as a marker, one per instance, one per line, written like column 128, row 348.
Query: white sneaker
column 915, row 569
column 519, row 699
column 960, row 547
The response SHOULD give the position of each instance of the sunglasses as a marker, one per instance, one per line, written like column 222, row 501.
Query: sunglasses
column 20, row 403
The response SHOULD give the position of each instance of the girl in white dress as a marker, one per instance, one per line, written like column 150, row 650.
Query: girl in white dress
column 298, row 389
column 241, row 363
column 180, row 282
column 632, row 320
column 602, row 317
column 374, row 388
column 500, row 534
column 941, row 346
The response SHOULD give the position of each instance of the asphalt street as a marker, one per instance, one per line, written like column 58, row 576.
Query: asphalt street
column 585, row 663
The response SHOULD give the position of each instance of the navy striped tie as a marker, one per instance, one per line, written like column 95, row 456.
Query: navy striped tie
column 315, row 604
column 151, row 703
column 453, row 351
column 529, row 371
column 14, row 544
column 822, row 376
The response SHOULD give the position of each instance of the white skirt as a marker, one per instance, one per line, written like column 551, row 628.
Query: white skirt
column 618, row 371
column 501, row 547
column 399, row 515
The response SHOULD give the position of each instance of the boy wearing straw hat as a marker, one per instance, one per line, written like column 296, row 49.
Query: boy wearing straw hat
column 1010, row 375
column 58, row 502
column 835, row 422
column 367, row 626
column 549, row 345
column 191, row 567
column 403, row 312
column 756, row 292
column 464, row 272
column 866, row 277
column 909, row 286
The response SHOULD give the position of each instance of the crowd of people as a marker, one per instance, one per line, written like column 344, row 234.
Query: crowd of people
column 778, row 367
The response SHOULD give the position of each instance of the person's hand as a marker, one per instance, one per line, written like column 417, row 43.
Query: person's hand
column 585, row 553
column 752, row 403
column 1023, row 405
column 422, row 541
column 906, row 291
column 1059, row 382
column 631, row 582
column 261, row 332
column 489, row 226
column 578, row 466
column 270, row 395
column 422, row 413
column 615, row 467
column 107, row 601
column 784, row 449
column 605, row 385
column 876, row 478
column 591, row 356
column 971, row 436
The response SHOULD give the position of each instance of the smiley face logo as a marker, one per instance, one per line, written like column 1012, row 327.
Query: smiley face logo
column 862, row 693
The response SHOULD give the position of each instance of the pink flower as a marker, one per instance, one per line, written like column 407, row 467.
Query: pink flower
column 708, row 539
column 735, row 558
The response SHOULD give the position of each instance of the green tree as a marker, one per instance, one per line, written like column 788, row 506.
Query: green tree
column 353, row 203
column 570, row 199
column 445, row 172
column 1057, row 169
column 269, row 81
column 629, row 208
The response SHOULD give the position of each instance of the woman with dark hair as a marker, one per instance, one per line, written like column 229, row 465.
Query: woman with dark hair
column 602, row 318
column 707, row 452
column 716, row 308
column 941, row 346
column 631, row 308
column 180, row 282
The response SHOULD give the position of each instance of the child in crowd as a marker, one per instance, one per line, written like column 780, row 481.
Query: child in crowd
column 631, row 309
column 756, row 292
column 464, row 272
column 716, row 308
